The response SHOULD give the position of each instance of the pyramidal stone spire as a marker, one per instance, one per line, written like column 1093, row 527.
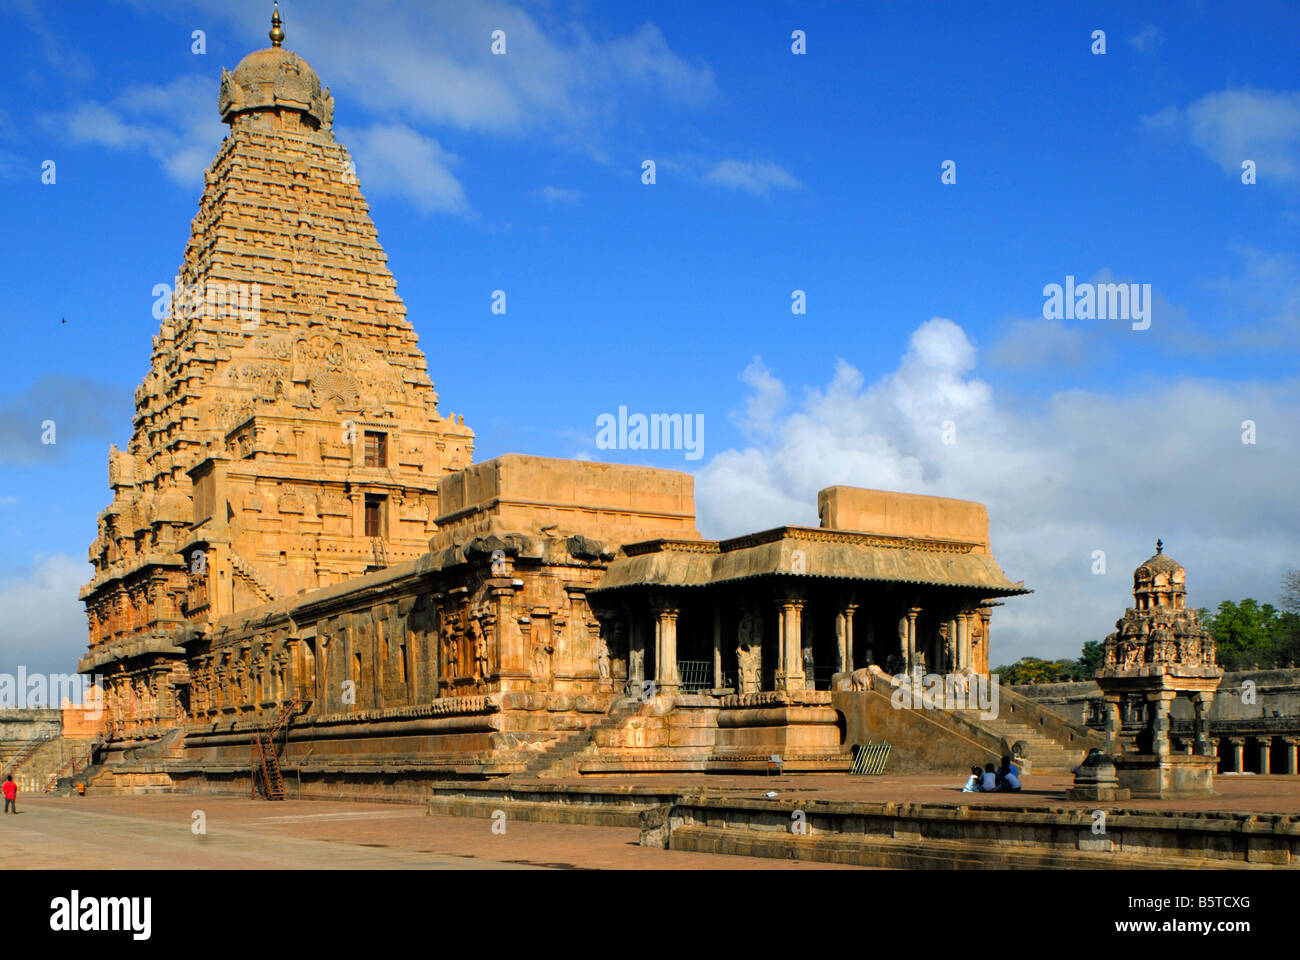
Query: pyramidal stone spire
column 287, row 434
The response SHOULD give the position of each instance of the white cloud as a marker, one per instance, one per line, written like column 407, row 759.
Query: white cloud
column 410, row 69
column 177, row 123
column 42, row 623
column 394, row 159
column 757, row 178
column 765, row 402
column 1075, row 472
column 66, row 60
column 403, row 60
column 555, row 195
column 1231, row 126
column 1037, row 343
column 1148, row 38
column 1262, row 304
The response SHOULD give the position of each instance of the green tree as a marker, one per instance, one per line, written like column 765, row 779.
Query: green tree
column 1090, row 659
column 1037, row 670
column 1244, row 633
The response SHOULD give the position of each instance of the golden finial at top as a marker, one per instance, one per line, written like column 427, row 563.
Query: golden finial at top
column 277, row 34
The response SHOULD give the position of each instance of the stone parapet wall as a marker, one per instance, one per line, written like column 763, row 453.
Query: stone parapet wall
column 1271, row 690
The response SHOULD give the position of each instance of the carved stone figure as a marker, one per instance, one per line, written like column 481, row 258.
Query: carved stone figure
column 480, row 649
column 749, row 651
column 602, row 658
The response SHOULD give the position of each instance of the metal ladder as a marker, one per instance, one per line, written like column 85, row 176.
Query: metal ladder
column 264, row 762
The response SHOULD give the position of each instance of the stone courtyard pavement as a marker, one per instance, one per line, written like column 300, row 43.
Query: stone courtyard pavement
column 154, row 832
column 1250, row 794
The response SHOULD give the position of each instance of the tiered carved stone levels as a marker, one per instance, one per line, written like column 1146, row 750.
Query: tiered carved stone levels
column 1157, row 653
column 287, row 434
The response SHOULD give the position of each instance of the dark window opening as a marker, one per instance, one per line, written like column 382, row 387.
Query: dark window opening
column 374, row 516
column 376, row 449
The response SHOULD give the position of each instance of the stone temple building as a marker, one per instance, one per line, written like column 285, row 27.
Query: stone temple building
column 297, row 533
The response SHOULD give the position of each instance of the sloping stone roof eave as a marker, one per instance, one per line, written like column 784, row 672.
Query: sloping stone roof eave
column 670, row 567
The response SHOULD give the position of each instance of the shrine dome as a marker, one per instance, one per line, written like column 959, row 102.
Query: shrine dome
column 274, row 78
column 1159, row 581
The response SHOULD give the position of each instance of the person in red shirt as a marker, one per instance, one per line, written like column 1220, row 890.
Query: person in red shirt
column 11, row 794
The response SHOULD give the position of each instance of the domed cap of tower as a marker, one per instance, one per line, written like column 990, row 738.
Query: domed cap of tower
column 1159, row 578
column 274, row 78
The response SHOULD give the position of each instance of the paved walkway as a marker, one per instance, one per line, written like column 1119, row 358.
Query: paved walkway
column 1250, row 794
column 151, row 832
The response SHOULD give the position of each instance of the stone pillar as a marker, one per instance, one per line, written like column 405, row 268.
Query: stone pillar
column 1265, row 760
column 165, row 705
column 904, row 656
column 912, row 614
column 1159, row 722
column 849, row 609
column 841, row 645
column 1201, row 703
column 510, row 656
column 358, row 513
column 1291, row 744
column 381, row 644
column 778, row 674
column 657, row 629
column 575, row 655
column 717, row 645
column 1238, row 754
column 325, row 687
column 1113, row 723
column 667, row 679
column 793, row 678
column 965, row 627
column 985, row 618
column 292, row 668
column 635, row 651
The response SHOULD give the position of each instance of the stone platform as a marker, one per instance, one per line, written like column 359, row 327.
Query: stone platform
column 917, row 822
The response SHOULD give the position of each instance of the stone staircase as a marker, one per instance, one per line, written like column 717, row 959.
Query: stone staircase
column 15, row 754
column 244, row 569
column 1045, row 754
column 561, row 759
column 45, row 761
column 1052, row 743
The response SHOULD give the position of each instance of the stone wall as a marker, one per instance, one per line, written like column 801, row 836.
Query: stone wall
column 1273, row 690
column 30, row 724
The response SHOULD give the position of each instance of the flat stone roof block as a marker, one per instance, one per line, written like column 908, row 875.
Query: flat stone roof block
column 890, row 514
column 612, row 502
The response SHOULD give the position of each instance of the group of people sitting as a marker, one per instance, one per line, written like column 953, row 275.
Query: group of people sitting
column 992, row 780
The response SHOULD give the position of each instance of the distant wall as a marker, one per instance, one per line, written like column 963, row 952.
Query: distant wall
column 28, row 724
column 1273, row 690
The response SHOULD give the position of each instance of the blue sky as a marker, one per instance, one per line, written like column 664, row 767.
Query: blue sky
column 775, row 172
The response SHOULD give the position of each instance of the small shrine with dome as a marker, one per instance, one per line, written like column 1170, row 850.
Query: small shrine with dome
column 1159, row 652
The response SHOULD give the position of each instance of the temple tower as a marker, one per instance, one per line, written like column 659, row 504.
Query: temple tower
column 1158, row 653
column 287, row 434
